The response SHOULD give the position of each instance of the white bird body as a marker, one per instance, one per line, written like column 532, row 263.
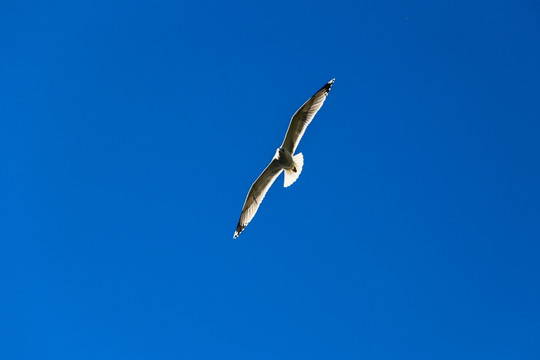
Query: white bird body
column 283, row 160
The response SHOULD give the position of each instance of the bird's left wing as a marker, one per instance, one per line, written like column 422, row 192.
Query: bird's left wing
column 303, row 116
column 256, row 194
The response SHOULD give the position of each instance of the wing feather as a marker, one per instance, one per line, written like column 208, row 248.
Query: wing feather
column 256, row 194
column 303, row 116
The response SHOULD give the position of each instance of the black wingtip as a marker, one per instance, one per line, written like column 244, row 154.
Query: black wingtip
column 239, row 229
column 328, row 85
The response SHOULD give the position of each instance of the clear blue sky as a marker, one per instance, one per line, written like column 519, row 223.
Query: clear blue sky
column 130, row 133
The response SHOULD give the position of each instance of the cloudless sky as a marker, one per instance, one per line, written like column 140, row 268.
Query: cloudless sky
column 130, row 133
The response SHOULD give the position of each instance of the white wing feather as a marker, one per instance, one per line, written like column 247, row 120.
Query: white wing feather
column 303, row 116
column 256, row 195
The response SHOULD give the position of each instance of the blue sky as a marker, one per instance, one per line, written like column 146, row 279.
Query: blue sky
column 130, row 133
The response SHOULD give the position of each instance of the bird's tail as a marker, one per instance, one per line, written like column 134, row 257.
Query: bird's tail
column 293, row 174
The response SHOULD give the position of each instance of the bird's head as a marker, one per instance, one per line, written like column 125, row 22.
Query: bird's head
column 279, row 153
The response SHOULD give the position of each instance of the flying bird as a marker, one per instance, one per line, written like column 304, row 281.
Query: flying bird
column 284, row 160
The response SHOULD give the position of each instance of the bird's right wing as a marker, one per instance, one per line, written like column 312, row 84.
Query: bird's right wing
column 303, row 116
column 256, row 194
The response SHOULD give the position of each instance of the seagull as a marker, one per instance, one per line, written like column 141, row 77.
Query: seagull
column 284, row 159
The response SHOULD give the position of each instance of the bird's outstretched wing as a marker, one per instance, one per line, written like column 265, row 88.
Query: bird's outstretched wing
column 303, row 117
column 256, row 195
